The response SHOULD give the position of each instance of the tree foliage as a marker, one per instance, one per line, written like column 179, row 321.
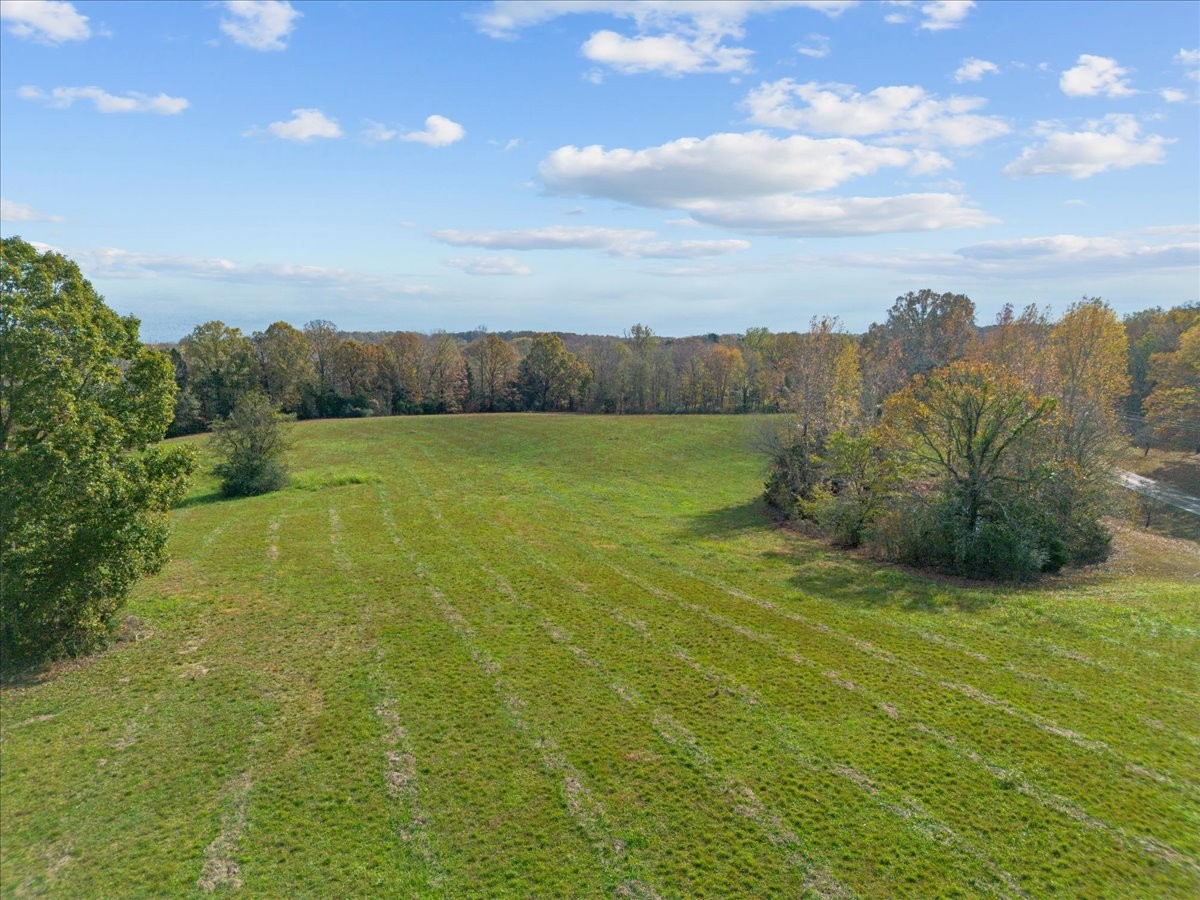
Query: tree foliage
column 252, row 443
column 550, row 377
column 85, row 491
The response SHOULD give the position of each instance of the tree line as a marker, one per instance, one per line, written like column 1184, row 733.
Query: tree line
column 320, row 372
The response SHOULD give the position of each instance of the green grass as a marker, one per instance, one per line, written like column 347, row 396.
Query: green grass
column 569, row 656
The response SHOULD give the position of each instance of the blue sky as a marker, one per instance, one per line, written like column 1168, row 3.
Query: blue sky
column 583, row 166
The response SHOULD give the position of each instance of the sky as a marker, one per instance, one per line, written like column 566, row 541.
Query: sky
column 583, row 166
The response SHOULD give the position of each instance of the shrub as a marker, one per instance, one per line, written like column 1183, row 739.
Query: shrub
column 252, row 442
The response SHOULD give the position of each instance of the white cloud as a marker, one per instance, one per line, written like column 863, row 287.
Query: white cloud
column 751, row 183
column 1095, row 75
column 816, row 46
column 259, row 24
column 940, row 15
column 674, row 37
column 1071, row 250
column 506, row 18
column 905, row 113
column 682, row 249
column 304, row 125
column 722, row 165
column 378, row 133
column 936, row 15
column 1114, row 142
column 622, row 242
column 20, row 212
column 552, row 237
column 1191, row 60
column 1172, row 95
column 45, row 21
column 131, row 102
column 1062, row 256
column 669, row 54
column 489, row 265
column 794, row 216
column 439, row 131
column 113, row 262
column 973, row 69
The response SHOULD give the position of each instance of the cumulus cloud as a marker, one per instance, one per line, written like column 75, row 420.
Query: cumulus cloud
column 796, row 216
column 1094, row 76
column 902, row 113
column 259, row 24
column 131, row 102
column 20, row 212
column 304, row 125
column 674, row 37
column 753, row 183
column 940, row 15
column 1173, row 95
column 489, row 265
column 973, row 69
column 669, row 54
column 936, row 15
column 439, row 131
column 815, row 46
column 45, row 21
column 1188, row 57
column 722, row 165
column 1114, row 142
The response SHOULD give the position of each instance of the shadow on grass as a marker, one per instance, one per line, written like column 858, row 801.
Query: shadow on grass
column 730, row 520
column 850, row 579
column 201, row 500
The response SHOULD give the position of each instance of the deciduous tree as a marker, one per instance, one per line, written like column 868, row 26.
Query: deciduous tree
column 85, row 489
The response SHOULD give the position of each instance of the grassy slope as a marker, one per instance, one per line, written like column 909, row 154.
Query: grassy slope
column 555, row 655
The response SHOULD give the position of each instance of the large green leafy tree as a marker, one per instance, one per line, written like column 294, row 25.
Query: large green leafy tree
column 85, row 491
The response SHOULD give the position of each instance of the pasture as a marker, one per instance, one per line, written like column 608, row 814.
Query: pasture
column 570, row 656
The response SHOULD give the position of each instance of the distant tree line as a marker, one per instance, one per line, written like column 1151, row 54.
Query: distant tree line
column 321, row 372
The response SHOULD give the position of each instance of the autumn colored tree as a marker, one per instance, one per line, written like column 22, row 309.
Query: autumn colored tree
column 550, row 377
column 1016, row 344
column 643, row 342
column 352, row 371
column 444, row 378
column 725, row 372
column 494, row 366
column 973, row 427
column 1173, row 407
column 402, row 370
column 1088, row 354
column 823, row 381
column 285, row 363
column 924, row 331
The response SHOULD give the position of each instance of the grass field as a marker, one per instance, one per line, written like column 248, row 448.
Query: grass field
column 568, row 656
